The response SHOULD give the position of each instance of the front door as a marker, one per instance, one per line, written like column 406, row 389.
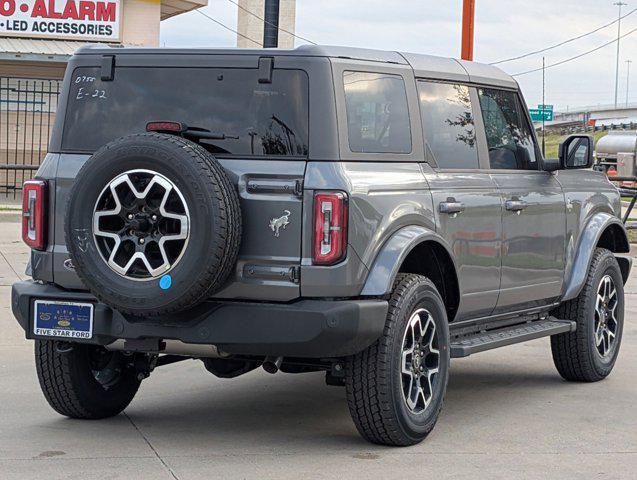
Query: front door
column 534, row 211
column 533, row 236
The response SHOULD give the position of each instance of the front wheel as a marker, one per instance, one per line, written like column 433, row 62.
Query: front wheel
column 84, row 381
column 396, row 387
column 589, row 353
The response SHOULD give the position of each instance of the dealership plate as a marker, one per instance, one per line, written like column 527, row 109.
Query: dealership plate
column 63, row 319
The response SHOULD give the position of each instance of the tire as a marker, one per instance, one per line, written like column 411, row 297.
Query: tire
column 184, row 176
column 374, row 381
column 72, row 389
column 577, row 355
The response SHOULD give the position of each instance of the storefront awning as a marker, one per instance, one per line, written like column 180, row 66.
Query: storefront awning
column 29, row 49
column 170, row 8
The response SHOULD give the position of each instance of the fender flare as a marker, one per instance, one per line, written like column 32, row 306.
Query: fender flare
column 589, row 239
column 391, row 256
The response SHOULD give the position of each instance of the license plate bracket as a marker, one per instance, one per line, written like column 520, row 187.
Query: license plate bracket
column 63, row 319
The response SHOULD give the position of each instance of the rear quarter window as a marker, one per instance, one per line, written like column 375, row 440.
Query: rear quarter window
column 259, row 119
column 377, row 113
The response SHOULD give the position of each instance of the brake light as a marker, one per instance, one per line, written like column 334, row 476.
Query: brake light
column 33, row 208
column 165, row 127
column 330, row 227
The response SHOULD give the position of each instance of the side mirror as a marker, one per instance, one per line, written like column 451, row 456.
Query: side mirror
column 576, row 152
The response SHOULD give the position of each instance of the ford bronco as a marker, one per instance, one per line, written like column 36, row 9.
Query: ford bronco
column 368, row 214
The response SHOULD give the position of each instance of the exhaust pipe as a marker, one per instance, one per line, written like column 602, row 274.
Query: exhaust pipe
column 272, row 364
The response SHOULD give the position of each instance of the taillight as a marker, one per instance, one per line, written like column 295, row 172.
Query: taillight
column 330, row 227
column 33, row 211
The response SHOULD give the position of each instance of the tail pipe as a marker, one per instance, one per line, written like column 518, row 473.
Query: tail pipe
column 272, row 364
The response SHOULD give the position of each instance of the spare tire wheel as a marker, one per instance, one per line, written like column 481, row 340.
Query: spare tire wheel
column 153, row 224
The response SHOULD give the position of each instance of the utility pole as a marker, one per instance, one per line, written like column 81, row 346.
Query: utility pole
column 271, row 24
column 628, row 62
column 619, row 31
column 468, row 14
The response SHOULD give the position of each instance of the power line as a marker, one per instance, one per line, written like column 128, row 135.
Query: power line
column 561, row 62
column 228, row 28
column 272, row 24
column 565, row 41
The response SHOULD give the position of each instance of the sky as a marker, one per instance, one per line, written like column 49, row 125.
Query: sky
column 503, row 29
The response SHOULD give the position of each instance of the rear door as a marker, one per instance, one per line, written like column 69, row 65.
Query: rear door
column 466, row 200
column 534, row 213
column 259, row 127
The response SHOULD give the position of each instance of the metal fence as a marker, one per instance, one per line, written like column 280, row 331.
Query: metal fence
column 27, row 111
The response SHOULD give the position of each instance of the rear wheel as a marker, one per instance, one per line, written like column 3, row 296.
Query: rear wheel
column 396, row 387
column 84, row 381
column 589, row 353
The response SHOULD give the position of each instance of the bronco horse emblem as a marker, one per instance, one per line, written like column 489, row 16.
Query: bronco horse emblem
column 277, row 223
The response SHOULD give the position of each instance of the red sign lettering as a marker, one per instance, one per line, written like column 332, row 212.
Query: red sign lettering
column 105, row 12
column 52, row 12
column 7, row 7
column 39, row 9
column 87, row 11
column 70, row 10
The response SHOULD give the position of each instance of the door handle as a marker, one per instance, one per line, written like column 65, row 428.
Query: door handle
column 515, row 205
column 451, row 207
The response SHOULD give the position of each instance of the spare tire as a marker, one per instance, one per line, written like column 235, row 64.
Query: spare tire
column 153, row 224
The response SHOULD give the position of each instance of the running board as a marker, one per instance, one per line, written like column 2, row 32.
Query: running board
column 501, row 337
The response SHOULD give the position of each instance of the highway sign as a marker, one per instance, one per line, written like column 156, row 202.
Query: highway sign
column 545, row 107
column 538, row 115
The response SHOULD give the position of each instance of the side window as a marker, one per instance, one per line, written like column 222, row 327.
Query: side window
column 447, row 122
column 377, row 113
column 509, row 136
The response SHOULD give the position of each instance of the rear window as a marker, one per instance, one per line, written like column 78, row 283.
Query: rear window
column 258, row 118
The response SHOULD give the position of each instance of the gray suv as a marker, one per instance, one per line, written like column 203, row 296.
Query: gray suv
column 368, row 214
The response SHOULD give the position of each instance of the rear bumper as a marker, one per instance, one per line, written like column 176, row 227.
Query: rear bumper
column 306, row 328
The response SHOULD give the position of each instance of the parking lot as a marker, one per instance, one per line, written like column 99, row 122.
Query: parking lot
column 508, row 415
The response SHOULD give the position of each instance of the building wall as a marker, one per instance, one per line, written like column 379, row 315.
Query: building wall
column 252, row 27
column 140, row 22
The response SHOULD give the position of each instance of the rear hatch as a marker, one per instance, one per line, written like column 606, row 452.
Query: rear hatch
column 264, row 120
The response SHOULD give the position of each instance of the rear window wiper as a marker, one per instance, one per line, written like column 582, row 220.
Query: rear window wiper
column 187, row 131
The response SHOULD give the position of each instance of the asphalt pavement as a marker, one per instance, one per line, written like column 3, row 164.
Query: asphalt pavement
column 507, row 415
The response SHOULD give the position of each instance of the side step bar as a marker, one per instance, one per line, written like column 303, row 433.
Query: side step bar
column 500, row 337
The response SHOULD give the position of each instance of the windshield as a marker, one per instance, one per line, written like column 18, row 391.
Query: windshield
column 255, row 118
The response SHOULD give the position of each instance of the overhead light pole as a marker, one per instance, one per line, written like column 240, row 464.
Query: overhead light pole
column 619, row 31
column 468, row 14
column 543, row 107
column 628, row 62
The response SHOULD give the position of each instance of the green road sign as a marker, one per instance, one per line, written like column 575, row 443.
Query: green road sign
column 538, row 115
column 545, row 107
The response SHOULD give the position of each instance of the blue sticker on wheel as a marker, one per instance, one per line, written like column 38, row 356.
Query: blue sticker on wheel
column 165, row 282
